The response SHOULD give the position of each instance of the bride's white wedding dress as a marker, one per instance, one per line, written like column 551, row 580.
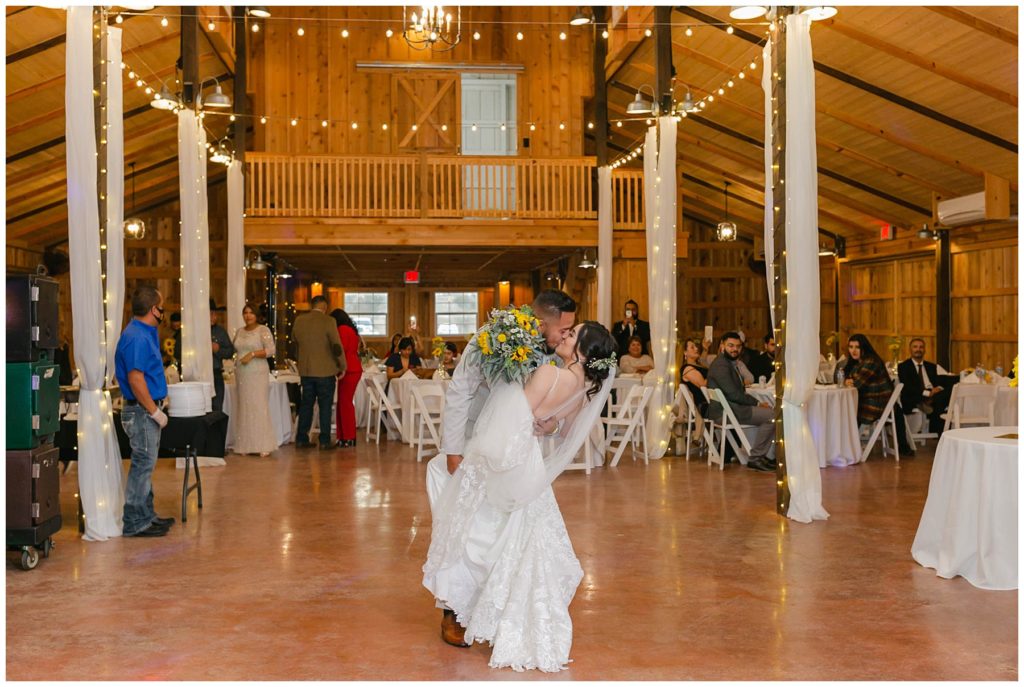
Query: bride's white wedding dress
column 500, row 556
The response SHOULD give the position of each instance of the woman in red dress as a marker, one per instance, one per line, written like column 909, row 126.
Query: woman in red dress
column 348, row 382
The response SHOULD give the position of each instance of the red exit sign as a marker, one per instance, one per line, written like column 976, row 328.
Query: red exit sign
column 888, row 232
column 412, row 277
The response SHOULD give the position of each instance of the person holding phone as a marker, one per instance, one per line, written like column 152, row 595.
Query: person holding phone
column 631, row 325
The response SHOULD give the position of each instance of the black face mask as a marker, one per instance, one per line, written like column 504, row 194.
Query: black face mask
column 160, row 319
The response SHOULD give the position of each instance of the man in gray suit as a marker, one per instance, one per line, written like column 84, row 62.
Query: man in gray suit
column 464, row 400
column 723, row 374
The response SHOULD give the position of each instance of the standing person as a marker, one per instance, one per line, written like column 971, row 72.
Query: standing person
column 254, row 430
column 140, row 374
column 865, row 370
column 223, row 350
column 631, row 325
column 467, row 393
column 724, row 374
column 348, row 382
column 500, row 556
column 321, row 359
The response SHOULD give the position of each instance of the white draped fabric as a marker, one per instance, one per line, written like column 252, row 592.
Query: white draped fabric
column 604, row 246
column 660, row 204
column 803, row 302
column 236, row 247
column 99, row 460
column 196, row 351
column 769, row 201
column 115, row 198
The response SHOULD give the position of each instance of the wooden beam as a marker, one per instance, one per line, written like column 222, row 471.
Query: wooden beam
column 241, row 99
column 190, row 86
column 46, row 145
column 867, row 87
column 42, row 46
column 943, row 302
column 977, row 24
column 921, row 61
column 418, row 232
column 600, row 87
column 663, row 57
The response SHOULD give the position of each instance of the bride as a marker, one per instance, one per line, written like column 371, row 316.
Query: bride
column 500, row 557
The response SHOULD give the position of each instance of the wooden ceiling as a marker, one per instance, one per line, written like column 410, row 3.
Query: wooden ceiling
column 36, row 176
column 911, row 100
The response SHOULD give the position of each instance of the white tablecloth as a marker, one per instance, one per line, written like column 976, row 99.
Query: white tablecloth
column 969, row 523
column 1006, row 406
column 832, row 415
column 280, row 411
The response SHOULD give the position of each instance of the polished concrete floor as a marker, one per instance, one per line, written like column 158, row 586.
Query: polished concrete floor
column 306, row 565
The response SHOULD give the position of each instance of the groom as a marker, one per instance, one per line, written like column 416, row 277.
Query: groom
column 466, row 395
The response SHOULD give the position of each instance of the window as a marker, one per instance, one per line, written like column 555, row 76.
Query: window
column 369, row 311
column 455, row 313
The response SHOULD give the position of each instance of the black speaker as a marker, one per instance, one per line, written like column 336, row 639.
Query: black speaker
column 33, row 318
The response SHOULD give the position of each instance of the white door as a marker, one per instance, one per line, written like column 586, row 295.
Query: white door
column 488, row 128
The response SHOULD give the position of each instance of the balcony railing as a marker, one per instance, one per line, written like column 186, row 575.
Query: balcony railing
column 428, row 186
column 628, row 199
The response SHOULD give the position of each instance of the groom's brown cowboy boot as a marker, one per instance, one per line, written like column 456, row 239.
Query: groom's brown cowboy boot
column 451, row 631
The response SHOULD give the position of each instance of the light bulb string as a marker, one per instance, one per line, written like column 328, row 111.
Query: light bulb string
column 472, row 22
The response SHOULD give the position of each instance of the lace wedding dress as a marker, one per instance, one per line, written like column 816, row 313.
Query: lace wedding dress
column 254, row 430
column 500, row 556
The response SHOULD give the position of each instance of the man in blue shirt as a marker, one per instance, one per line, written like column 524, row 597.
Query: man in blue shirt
column 140, row 374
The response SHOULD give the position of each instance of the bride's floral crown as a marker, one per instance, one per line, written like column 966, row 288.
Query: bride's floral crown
column 603, row 363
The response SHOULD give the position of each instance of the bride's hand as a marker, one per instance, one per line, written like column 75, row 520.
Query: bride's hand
column 544, row 428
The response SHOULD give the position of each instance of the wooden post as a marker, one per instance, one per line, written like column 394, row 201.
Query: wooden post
column 241, row 103
column 778, row 114
column 663, row 57
column 600, row 87
column 189, row 55
column 99, row 62
column 943, row 301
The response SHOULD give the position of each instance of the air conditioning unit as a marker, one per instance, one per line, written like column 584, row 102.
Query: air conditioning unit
column 956, row 212
column 991, row 204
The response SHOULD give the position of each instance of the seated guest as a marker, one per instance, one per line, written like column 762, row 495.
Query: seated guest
column 866, row 371
column 747, row 355
column 925, row 386
column 723, row 374
column 450, row 360
column 695, row 377
column 403, row 360
column 763, row 365
column 394, row 345
column 636, row 361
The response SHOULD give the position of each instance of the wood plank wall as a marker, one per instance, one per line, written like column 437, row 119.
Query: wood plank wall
column 888, row 289
column 314, row 77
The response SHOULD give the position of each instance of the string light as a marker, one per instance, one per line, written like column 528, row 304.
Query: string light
column 355, row 125
column 729, row 30
column 562, row 36
column 389, row 33
column 119, row 19
column 476, row 35
column 255, row 27
column 689, row 31
column 301, row 31
column 604, row 34
column 519, row 36
column 164, row 23
column 344, row 33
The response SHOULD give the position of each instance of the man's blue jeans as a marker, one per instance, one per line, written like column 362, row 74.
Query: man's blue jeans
column 144, row 434
column 321, row 391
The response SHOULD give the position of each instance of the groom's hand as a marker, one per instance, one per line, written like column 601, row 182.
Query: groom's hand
column 453, row 463
column 545, row 428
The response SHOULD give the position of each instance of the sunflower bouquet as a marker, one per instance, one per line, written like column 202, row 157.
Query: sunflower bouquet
column 437, row 347
column 510, row 345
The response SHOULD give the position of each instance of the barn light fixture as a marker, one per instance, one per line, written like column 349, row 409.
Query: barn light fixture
column 259, row 11
column 639, row 105
column 726, row 230
column 164, row 100
column 819, row 12
column 580, row 17
column 134, row 227
column 254, row 261
column 747, row 11
column 218, row 99
column 586, row 263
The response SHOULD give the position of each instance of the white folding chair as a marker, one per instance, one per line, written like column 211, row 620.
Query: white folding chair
column 428, row 399
column 878, row 427
column 385, row 409
column 372, row 403
column 684, row 399
column 729, row 428
column 917, row 426
column 982, row 398
column 627, row 425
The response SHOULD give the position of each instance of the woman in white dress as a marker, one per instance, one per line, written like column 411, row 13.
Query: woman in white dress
column 500, row 557
column 254, row 430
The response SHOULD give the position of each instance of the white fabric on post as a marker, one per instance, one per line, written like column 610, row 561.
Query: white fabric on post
column 660, row 179
column 115, row 198
column 99, row 459
column 769, row 202
column 236, row 247
column 196, row 351
column 803, row 302
column 604, row 246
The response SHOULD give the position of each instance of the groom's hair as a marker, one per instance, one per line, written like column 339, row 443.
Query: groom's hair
column 553, row 302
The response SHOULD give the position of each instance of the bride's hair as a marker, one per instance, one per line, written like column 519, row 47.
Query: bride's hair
column 594, row 342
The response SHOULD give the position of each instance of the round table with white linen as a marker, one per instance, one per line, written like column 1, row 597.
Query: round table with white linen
column 280, row 411
column 832, row 416
column 969, row 523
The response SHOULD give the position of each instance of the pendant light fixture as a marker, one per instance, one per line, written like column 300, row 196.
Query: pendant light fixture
column 580, row 17
column 134, row 227
column 726, row 230
column 586, row 263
